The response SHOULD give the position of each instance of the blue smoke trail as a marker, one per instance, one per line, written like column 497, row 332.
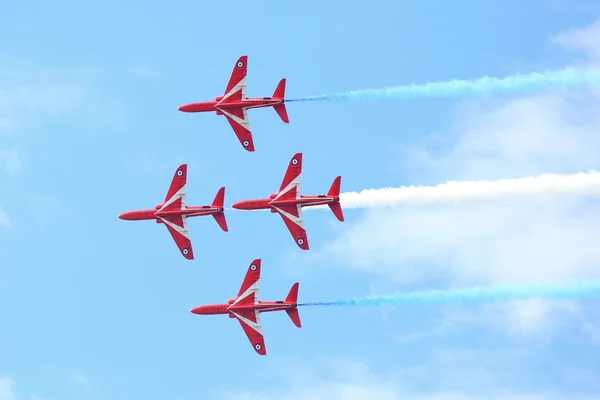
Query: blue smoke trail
column 515, row 84
column 477, row 294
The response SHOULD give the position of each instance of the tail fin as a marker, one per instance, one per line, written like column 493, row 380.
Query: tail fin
column 218, row 203
column 219, row 199
column 279, row 92
column 334, row 191
column 292, row 297
column 280, row 109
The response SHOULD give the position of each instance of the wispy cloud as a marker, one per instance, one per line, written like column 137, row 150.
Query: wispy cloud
column 78, row 378
column 4, row 220
column 10, row 161
column 7, row 390
column 349, row 380
column 31, row 98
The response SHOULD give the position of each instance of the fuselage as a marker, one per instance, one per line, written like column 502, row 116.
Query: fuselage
column 302, row 201
column 215, row 105
column 192, row 211
column 261, row 306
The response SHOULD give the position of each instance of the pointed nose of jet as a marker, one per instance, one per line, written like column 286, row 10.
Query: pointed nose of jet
column 197, row 310
column 125, row 216
column 185, row 108
column 242, row 205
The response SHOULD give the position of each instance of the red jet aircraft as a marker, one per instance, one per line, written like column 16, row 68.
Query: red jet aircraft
column 288, row 202
column 233, row 104
column 174, row 213
column 246, row 307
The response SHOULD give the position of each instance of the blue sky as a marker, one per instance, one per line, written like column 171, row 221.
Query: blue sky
column 95, row 307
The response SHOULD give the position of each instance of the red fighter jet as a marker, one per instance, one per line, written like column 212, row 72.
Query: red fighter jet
column 174, row 213
column 288, row 202
column 246, row 307
column 233, row 104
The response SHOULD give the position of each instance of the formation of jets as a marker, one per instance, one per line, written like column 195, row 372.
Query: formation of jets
column 287, row 202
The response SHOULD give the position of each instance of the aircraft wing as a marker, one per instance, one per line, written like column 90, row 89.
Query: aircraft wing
column 238, row 119
column 250, row 319
column 250, row 322
column 293, row 219
column 236, row 87
column 175, row 198
column 248, row 293
column 290, row 185
column 177, row 226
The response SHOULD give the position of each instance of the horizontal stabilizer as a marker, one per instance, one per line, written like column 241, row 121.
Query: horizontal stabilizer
column 334, row 191
column 282, row 112
column 292, row 297
column 294, row 316
column 280, row 108
column 337, row 211
column 220, row 218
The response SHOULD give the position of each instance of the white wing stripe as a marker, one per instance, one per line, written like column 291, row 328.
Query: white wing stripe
column 254, row 288
column 183, row 231
column 297, row 220
column 254, row 325
column 241, row 85
column 295, row 183
column 180, row 194
column 243, row 122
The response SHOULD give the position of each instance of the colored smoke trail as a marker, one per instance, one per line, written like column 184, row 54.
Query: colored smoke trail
column 456, row 191
column 477, row 294
column 487, row 86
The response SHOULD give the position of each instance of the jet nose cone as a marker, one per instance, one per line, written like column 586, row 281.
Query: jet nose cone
column 184, row 108
column 126, row 216
column 195, row 310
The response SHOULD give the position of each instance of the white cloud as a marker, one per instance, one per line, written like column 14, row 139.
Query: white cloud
column 28, row 97
column 7, row 391
column 4, row 220
column 31, row 99
column 583, row 40
column 10, row 161
column 355, row 381
column 496, row 242
column 79, row 378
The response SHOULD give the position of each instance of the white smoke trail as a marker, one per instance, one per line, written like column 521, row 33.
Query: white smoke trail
column 456, row 191
column 581, row 183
